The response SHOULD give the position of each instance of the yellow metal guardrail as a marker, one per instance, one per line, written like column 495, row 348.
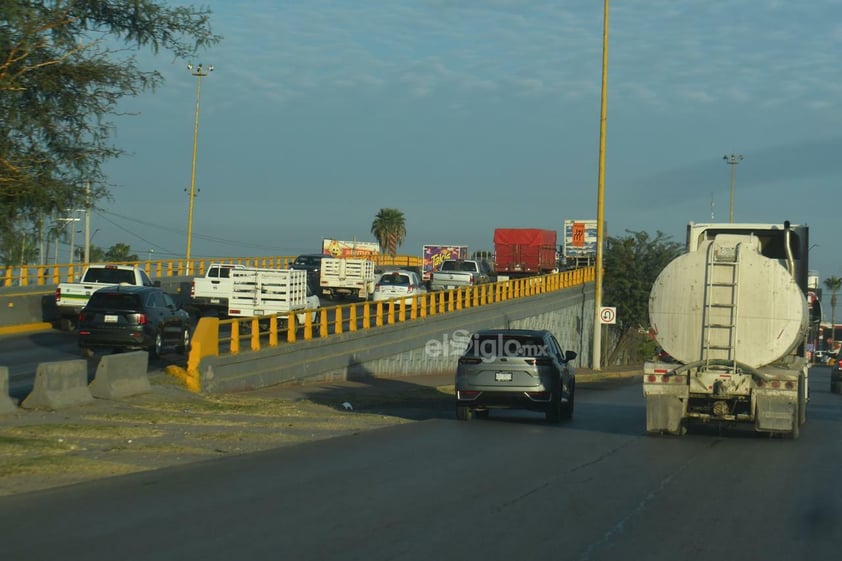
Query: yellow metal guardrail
column 265, row 332
column 50, row 275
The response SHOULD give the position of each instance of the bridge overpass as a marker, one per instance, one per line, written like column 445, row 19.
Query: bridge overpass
column 349, row 341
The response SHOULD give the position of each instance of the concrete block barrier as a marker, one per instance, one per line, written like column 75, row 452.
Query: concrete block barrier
column 121, row 375
column 7, row 404
column 59, row 385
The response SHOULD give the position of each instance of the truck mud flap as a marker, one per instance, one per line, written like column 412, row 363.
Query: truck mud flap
column 665, row 413
column 775, row 413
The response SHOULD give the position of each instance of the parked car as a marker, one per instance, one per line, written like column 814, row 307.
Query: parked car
column 398, row 283
column 133, row 318
column 312, row 263
column 515, row 369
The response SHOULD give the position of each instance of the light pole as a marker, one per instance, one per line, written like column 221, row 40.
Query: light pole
column 600, row 198
column 199, row 72
column 732, row 161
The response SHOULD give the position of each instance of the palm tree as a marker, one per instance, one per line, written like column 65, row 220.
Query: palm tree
column 389, row 227
column 833, row 284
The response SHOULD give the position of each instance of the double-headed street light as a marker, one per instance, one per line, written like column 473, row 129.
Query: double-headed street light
column 732, row 161
column 199, row 72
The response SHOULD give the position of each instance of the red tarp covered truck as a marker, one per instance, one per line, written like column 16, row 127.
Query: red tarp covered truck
column 524, row 251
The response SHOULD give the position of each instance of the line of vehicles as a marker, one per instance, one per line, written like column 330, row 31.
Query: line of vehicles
column 730, row 314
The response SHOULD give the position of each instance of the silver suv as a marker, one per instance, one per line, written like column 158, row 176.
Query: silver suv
column 515, row 369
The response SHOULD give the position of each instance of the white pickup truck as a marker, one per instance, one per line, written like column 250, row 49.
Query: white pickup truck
column 458, row 273
column 71, row 297
column 209, row 294
column 343, row 276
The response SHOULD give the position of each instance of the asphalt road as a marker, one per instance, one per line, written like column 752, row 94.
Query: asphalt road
column 509, row 488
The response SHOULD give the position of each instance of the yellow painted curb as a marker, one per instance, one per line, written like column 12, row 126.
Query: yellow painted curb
column 189, row 379
column 24, row 328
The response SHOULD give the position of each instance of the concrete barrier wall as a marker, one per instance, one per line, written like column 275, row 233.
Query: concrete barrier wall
column 121, row 375
column 59, row 385
column 421, row 346
column 7, row 404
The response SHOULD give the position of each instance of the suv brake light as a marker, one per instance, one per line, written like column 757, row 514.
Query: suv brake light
column 140, row 319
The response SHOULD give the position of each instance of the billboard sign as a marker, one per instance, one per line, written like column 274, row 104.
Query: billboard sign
column 434, row 255
column 338, row 248
column 579, row 238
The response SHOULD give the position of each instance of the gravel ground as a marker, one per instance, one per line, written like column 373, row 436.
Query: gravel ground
column 41, row 449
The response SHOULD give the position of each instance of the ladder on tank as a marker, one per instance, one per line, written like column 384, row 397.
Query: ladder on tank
column 721, row 303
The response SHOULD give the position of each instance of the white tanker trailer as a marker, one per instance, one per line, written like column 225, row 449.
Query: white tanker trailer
column 732, row 312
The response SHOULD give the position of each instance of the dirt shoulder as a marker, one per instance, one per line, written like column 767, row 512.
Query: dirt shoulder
column 171, row 426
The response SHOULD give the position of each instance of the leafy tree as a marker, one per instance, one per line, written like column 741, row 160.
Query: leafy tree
column 389, row 228
column 17, row 247
column 96, row 254
column 63, row 69
column 833, row 284
column 120, row 252
column 631, row 264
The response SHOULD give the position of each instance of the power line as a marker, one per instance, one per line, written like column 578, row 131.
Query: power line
column 180, row 232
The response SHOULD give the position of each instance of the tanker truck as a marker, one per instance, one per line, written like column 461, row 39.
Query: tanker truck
column 731, row 314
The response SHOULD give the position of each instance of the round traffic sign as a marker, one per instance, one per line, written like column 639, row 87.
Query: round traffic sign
column 608, row 315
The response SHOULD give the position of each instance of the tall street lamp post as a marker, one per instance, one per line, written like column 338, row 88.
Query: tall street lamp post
column 600, row 198
column 199, row 72
column 732, row 161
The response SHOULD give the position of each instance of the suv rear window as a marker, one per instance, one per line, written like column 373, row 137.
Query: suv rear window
column 114, row 301
column 506, row 345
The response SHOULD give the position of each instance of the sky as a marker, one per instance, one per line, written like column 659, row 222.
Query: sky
column 471, row 115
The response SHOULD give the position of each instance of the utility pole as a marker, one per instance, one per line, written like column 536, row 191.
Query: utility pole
column 87, row 222
column 600, row 204
column 199, row 73
column 732, row 161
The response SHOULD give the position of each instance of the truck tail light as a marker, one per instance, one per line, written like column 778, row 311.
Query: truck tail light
column 58, row 294
column 193, row 289
column 777, row 384
column 665, row 378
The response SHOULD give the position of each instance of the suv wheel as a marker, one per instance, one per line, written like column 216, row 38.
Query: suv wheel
column 464, row 413
column 157, row 346
column 185, row 341
column 567, row 408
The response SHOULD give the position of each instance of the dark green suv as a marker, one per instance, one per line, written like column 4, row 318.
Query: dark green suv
column 133, row 318
column 312, row 263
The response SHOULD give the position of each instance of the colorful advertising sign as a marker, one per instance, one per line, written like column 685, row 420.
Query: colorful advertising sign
column 434, row 255
column 338, row 248
column 579, row 238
